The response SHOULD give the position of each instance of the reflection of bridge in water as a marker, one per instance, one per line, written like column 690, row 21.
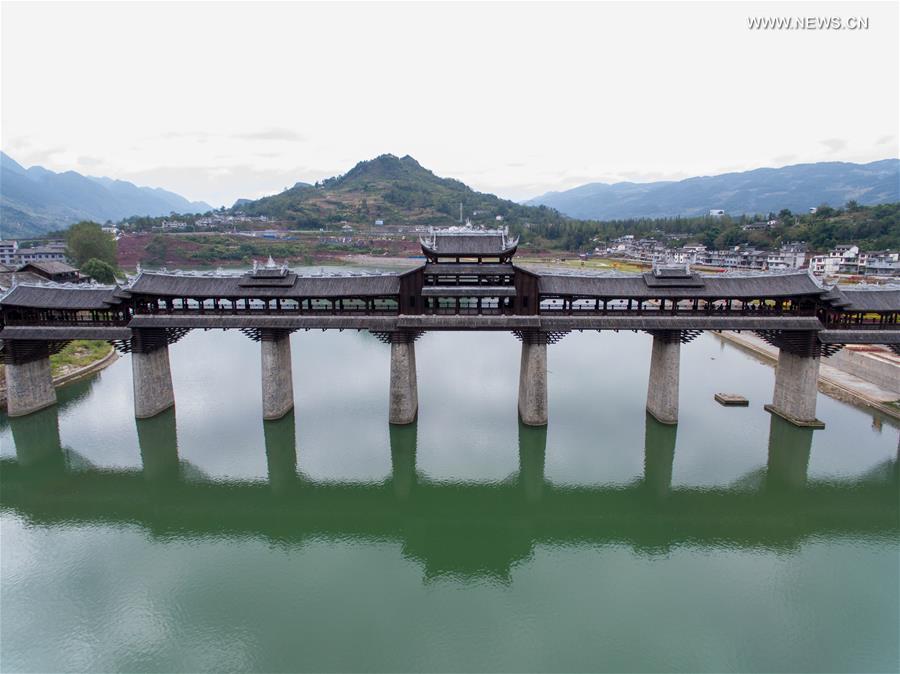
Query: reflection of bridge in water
column 451, row 528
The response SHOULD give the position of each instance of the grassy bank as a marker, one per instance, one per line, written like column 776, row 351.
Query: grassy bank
column 593, row 263
column 76, row 354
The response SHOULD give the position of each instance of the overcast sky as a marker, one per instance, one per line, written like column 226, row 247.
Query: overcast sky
column 224, row 100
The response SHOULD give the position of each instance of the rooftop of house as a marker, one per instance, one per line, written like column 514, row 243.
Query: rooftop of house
column 49, row 267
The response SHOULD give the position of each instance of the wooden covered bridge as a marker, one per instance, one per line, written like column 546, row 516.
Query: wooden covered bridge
column 468, row 282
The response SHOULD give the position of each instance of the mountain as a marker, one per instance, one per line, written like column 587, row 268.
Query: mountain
column 35, row 200
column 797, row 187
column 395, row 190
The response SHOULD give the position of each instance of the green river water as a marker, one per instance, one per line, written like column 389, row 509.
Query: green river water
column 208, row 540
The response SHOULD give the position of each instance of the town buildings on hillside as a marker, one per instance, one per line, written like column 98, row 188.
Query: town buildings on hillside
column 789, row 256
column 11, row 254
column 850, row 260
column 843, row 260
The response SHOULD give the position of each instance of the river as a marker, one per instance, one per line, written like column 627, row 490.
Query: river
column 208, row 540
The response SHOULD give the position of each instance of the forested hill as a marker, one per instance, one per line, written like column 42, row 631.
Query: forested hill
column 396, row 190
column 869, row 227
column 799, row 188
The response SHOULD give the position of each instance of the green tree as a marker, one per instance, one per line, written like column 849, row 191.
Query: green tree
column 86, row 240
column 99, row 270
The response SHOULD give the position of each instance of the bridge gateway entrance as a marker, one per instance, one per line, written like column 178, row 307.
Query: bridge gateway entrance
column 469, row 281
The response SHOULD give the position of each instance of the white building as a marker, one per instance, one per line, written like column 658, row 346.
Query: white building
column 716, row 212
column 689, row 254
column 49, row 253
column 8, row 251
column 830, row 264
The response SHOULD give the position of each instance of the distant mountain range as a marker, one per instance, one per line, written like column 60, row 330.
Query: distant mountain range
column 797, row 187
column 399, row 191
column 35, row 200
column 395, row 191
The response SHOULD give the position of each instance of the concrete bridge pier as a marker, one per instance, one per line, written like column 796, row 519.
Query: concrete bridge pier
column 789, row 451
column 533, row 380
column 662, row 390
column 796, row 380
column 532, row 456
column 158, row 443
column 277, row 377
column 659, row 455
column 281, row 452
column 404, row 439
column 404, row 393
column 151, row 373
column 29, row 383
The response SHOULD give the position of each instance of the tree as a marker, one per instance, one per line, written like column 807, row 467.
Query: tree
column 99, row 270
column 86, row 240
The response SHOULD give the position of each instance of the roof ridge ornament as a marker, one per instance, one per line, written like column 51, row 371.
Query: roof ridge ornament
column 817, row 282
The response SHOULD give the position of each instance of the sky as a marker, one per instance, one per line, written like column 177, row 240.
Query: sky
column 219, row 101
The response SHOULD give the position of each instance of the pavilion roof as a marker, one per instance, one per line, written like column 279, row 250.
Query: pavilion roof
column 718, row 286
column 465, row 242
column 293, row 286
column 882, row 300
column 56, row 296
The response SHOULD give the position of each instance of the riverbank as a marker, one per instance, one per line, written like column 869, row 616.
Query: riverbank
column 834, row 382
column 549, row 261
column 79, row 359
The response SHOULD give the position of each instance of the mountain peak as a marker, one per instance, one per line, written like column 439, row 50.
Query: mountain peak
column 384, row 167
column 10, row 164
column 395, row 190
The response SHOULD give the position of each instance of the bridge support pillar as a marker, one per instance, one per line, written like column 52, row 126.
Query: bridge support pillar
column 403, row 458
column 37, row 441
column 281, row 453
column 533, row 381
column 151, row 373
column 29, row 383
column 789, row 451
column 796, row 379
column 404, row 393
column 158, row 442
column 659, row 455
column 662, row 391
column 277, row 377
column 532, row 453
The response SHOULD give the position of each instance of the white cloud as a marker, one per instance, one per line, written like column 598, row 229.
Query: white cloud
column 835, row 144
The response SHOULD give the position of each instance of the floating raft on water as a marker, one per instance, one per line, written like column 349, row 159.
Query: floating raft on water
column 731, row 400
